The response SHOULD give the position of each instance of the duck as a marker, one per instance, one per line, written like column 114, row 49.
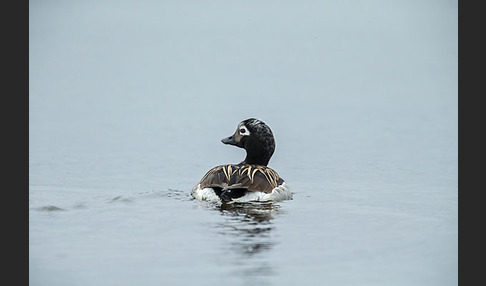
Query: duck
column 251, row 180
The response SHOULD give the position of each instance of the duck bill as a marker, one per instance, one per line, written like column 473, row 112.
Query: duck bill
column 229, row 140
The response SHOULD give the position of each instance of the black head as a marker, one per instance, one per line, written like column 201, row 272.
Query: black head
column 256, row 138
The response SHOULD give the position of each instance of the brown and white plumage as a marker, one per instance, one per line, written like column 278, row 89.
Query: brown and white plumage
column 250, row 180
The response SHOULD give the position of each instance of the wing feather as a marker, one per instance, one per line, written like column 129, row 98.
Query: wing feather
column 250, row 177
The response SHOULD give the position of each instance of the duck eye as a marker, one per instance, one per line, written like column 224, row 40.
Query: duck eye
column 242, row 131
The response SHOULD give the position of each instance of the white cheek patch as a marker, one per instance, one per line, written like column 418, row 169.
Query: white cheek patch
column 243, row 130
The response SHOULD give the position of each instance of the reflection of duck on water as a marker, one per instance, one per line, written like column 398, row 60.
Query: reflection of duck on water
column 258, row 212
column 251, row 225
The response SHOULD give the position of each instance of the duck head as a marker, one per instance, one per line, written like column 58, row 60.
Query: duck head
column 256, row 138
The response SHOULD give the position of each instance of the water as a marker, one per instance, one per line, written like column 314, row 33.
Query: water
column 128, row 103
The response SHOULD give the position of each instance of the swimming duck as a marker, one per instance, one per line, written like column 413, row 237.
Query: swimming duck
column 250, row 180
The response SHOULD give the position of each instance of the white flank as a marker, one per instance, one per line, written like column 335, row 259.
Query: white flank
column 278, row 194
column 206, row 194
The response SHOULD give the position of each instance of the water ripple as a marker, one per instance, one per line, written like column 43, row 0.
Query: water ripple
column 175, row 194
column 49, row 209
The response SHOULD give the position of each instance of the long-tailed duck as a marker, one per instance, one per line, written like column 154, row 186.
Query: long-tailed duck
column 250, row 180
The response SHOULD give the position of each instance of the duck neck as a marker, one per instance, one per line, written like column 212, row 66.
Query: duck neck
column 254, row 159
column 258, row 152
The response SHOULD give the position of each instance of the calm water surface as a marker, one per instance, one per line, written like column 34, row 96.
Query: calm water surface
column 128, row 103
column 117, row 220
